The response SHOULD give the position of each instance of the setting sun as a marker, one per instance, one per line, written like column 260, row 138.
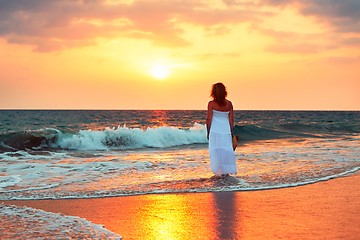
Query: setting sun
column 269, row 54
column 160, row 71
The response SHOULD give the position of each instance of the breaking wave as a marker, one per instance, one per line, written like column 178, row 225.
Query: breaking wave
column 123, row 138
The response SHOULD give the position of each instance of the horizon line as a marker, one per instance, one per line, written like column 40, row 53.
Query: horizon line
column 135, row 109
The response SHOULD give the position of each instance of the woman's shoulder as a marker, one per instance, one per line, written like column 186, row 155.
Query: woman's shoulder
column 211, row 103
column 223, row 108
column 229, row 105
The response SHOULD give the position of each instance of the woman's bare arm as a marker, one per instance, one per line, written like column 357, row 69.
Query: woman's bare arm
column 231, row 117
column 208, row 119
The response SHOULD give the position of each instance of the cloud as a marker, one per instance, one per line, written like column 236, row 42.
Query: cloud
column 299, row 48
column 55, row 25
column 342, row 60
column 341, row 18
column 212, row 56
column 343, row 15
column 290, row 42
column 352, row 41
column 52, row 25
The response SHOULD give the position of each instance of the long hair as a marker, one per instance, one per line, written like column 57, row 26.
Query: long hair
column 219, row 93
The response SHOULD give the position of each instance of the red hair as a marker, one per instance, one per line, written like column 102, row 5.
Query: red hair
column 219, row 93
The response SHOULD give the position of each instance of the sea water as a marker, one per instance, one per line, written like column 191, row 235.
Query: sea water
column 53, row 154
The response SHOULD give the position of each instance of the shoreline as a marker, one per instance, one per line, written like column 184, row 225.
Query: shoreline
column 329, row 209
column 348, row 173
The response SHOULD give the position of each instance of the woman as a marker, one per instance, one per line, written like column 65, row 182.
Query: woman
column 219, row 123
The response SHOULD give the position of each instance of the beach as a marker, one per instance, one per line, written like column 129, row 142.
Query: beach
column 324, row 210
column 146, row 175
column 116, row 119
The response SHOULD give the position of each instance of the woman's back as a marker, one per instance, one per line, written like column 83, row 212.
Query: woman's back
column 220, row 122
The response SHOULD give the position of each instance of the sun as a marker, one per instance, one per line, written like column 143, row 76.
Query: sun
column 160, row 71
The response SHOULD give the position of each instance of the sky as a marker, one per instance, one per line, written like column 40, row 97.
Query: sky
column 166, row 54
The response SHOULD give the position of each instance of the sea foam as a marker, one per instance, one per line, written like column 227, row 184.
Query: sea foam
column 30, row 223
column 132, row 138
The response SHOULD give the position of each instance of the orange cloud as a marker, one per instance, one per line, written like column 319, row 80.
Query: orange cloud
column 54, row 25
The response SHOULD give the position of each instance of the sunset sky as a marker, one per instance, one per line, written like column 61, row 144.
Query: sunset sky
column 166, row 54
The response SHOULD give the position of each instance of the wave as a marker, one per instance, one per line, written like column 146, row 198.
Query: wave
column 121, row 138
column 253, row 132
column 328, row 127
column 132, row 138
column 34, row 139
column 124, row 138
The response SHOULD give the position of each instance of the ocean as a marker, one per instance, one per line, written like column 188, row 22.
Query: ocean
column 57, row 154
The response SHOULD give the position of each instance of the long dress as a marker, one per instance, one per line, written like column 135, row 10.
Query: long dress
column 222, row 156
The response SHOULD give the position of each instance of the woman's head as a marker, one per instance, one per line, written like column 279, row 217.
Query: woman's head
column 219, row 93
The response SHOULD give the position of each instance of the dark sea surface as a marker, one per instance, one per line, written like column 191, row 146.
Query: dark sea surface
column 97, row 153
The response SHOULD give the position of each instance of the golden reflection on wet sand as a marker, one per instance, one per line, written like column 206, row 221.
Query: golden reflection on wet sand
column 326, row 210
column 167, row 217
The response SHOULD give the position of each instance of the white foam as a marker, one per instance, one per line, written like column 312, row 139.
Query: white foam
column 15, row 156
column 8, row 181
column 261, row 165
column 34, row 188
column 132, row 138
column 302, row 183
column 39, row 224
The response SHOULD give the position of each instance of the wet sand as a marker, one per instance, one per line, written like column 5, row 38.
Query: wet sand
column 325, row 210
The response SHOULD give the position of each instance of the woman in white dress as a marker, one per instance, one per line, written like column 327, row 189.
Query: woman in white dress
column 219, row 123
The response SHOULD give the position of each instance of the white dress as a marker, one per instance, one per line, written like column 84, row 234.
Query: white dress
column 222, row 156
